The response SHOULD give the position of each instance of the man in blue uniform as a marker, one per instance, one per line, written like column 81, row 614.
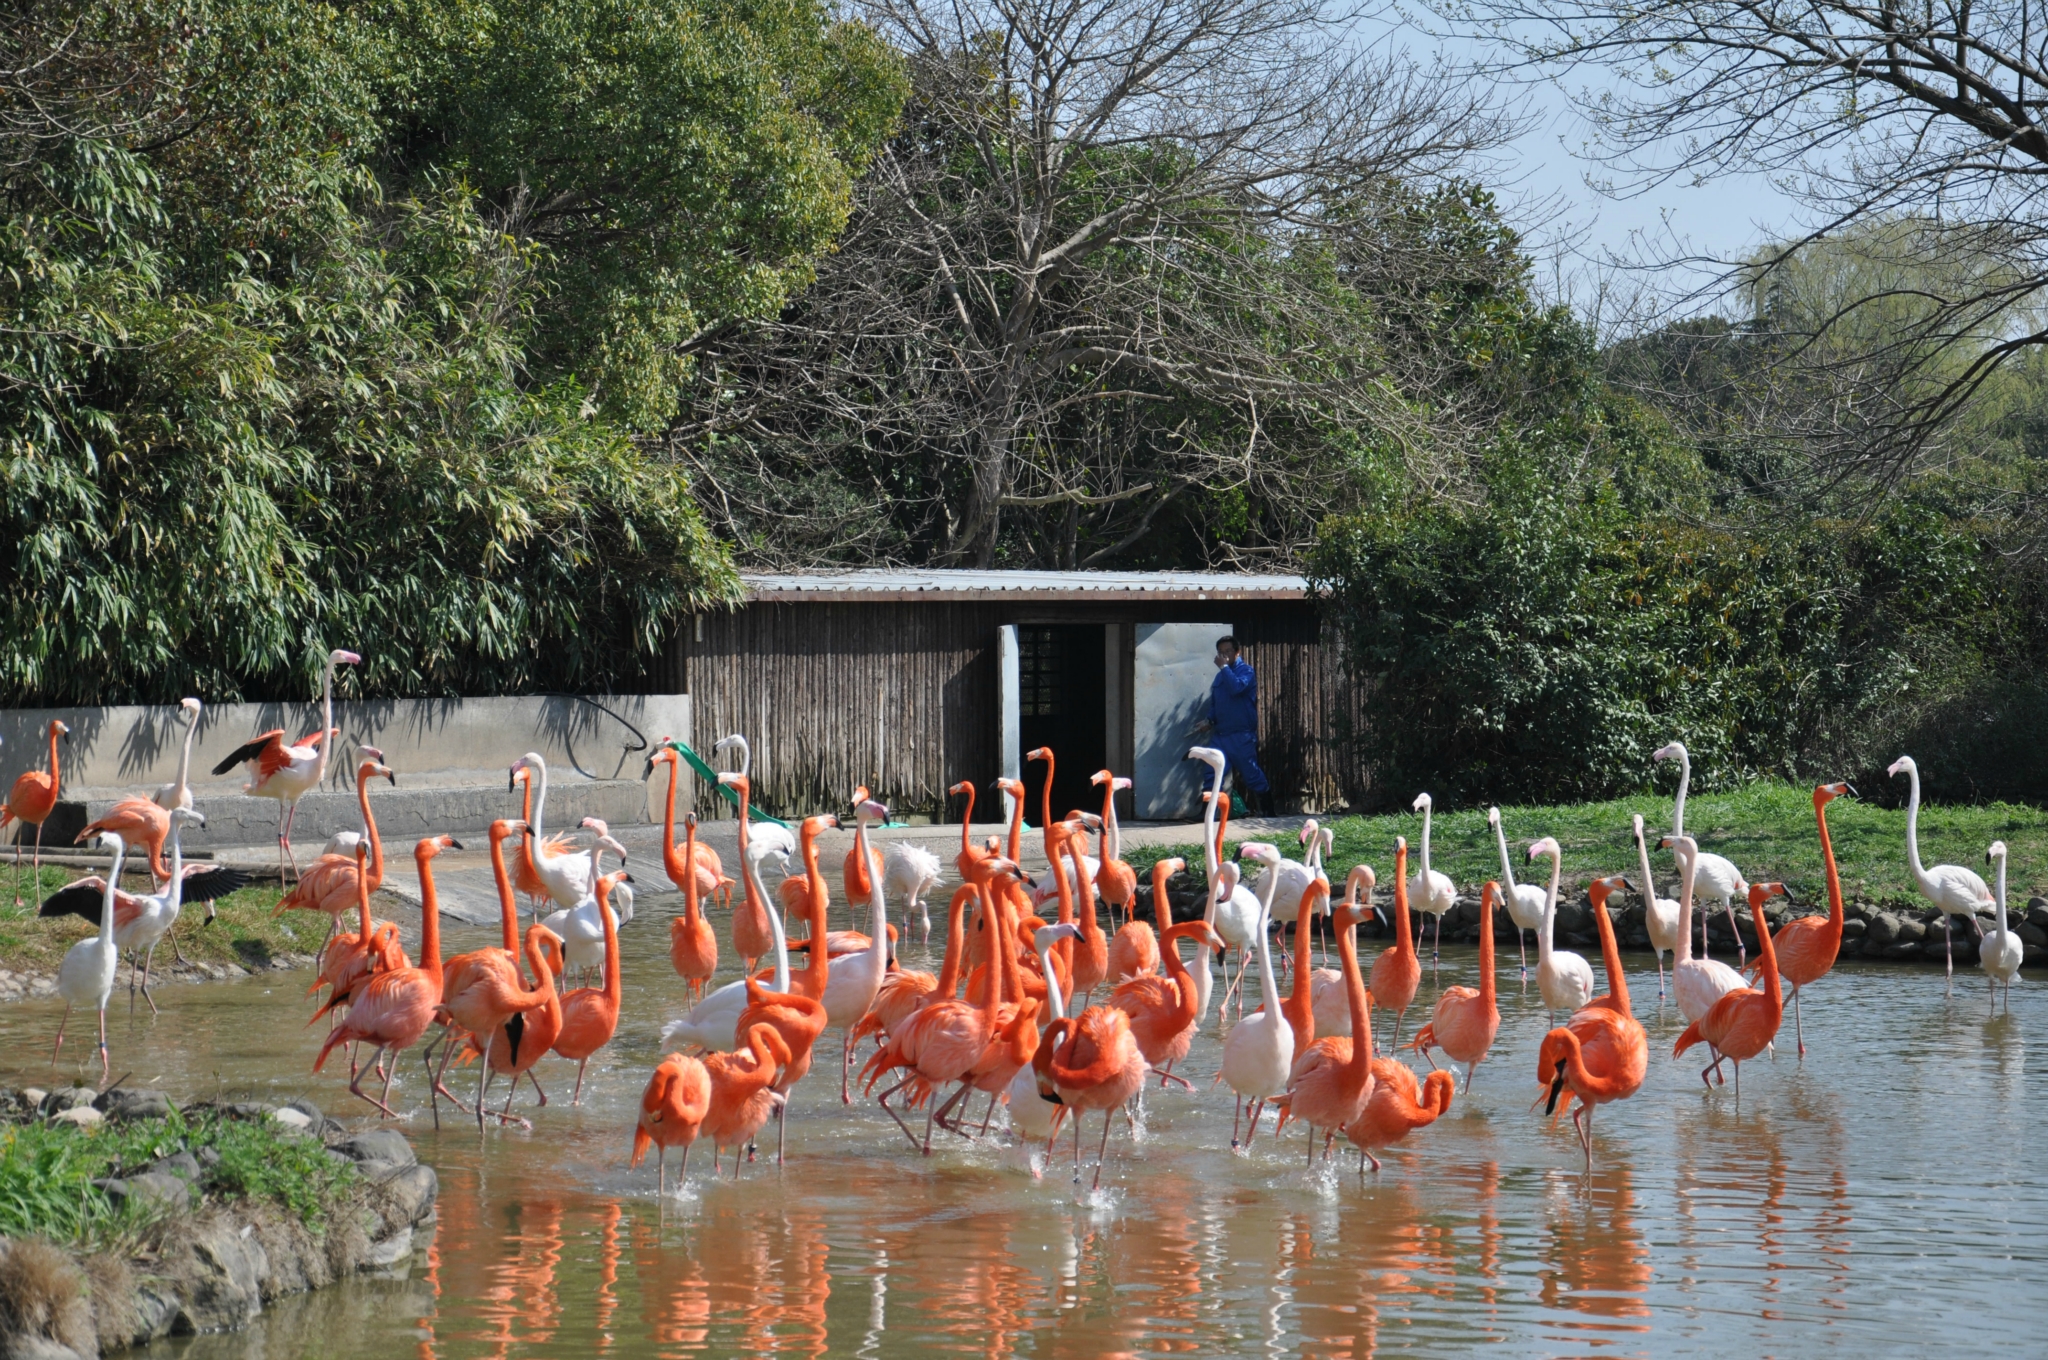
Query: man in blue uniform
column 1234, row 720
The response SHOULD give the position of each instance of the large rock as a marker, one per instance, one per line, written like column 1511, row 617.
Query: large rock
column 228, row 1287
column 379, row 1154
column 1910, row 930
column 122, row 1103
column 1853, row 930
column 153, row 1190
column 183, row 1165
column 2030, row 933
column 413, row 1192
column 1884, row 929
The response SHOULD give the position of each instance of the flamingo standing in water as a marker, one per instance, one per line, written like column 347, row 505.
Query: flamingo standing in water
column 1333, row 1077
column 1397, row 1107
column 1743, row 1023
column 483, row 990
column 1397, row 972
column 857, row 976
column 752, row 935
column 1524, row 900
column 1717, row 879
column 743, row 1091
column 30, row 802
column 1433, row 891
column 86, row 976
column 700, row 862
column 590, row 1015
column 1807, row 947
column 146, row 821
column 1601, row 1053
column 2003, row 951
column 1660, row 914
column 394, row 1009
column 1162, row 1009
column 1564, row 978
column 797, row 1014
column 1465, row 1021
column 1115, row 882
column 1032, row 1114
column 1326, row 985
column 329, row 883
column 1952, row 888
column 289, row 773
column 1695, row 983
column 568, row 875
column 519, row 1044
column 672, row 1110
column 1258, row 1053
column 692, row 944
column 1134, row 950
column 1095, row 1065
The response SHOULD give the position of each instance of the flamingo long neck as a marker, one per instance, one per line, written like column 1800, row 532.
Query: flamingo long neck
column 1299, row 1007
column 1269, row 989
column 113, row 888
column 362, row 897
column 1055, row 1003
column 508, row 911
column 2001, row 893
column 326, row 723
column 1684, row 782
column 526, row 815
column 693, row 913
column 1912, row 826
column 675, row 866
column 1183, row 980
column 1543, row 936
column 1359, row 1068
column 1507, row 871
column 1017, row 825
column 1487, row 897
column 183, row 788
column 430, row 918
column 1045, row 806
column 998, row 921
column 1767, row 952
column 1683, row 954
column 175, row 893
column 370, row 826
column 1209, row 838
column 538, row 776
column 57, row 774
column 1836, row 913
column 956, row 939
column 966, row 826
column 1404, row 938
column 878, row 916
column 543, row 988
column 1610, row 950
column 1649, row 885
column 614, row 980
column 814, row 881
column 775, row 929
column 1427, row 809
column 1091, row 928
column 1113, row 836
column 1162, row 910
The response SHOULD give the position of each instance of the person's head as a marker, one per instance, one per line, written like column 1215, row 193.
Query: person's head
column 1226, row 649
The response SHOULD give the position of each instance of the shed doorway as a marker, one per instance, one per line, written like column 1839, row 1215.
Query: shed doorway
column 1061, row 704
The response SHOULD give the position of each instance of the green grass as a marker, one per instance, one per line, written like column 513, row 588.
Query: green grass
column 244, row 933
column 47, row 1170
column 1767, row 829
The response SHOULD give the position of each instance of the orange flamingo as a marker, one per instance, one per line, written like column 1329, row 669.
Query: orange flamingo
column 32, row 800
column 1601, row 1053
column 969, row 862
column 482, row 989
column 743, row 1091
column 1465, row 1021
column 353, row 959
column 1091, row 950
column 329, row 883
column 288, row 773
column 1134, row 951
column 798, row 1015
column 1743, row 1023
column 1397, row 1107
column 856, row 877
column 527, row 1035
column 1014, row 1043
column 1162, row 1009
column 525, row 873
column 751, row 936
column 394, row 1008
column 703, row 862
column 590, row 1015
column 1115, row 881
column 942, row 1040
column 905, row 990
column 1397, row 972
column 1095, row 1066
column 692, row 944
column 1334, row 1077
column 1807, row 947
column 672, row 1111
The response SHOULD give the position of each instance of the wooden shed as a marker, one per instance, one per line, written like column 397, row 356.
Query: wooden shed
column 911, row 680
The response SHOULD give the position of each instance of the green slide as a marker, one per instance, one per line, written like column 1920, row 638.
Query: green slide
column 704, row 771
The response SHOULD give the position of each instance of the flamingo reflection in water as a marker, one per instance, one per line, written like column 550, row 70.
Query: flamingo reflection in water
column 1598, row 1264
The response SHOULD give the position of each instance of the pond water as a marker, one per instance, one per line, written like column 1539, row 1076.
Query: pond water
column 1875, row 1195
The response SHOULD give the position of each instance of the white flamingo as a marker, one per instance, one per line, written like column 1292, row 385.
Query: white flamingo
column 769, row 838
column 1431, row 892
column 713, row 1023
column 1524, row 901
column 86, row 977
column 1952, row 888
column 857, row 977
column 580, row 928
column 1211, row 861
column 1031, row 1114
column 1660, row 914
column 178, row 793
column 1258, row 1054
column 1715, row 879
column 570, row 876
column 2002, row 952
column 1696, row 983
column 910, row 871
column 1564, row 979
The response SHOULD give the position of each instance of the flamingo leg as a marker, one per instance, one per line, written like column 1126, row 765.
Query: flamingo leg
column 1741, row 949
column 1236, row 1118
column 60, row 1034
column 1251, row 1129
column 1660, row 974
column 37, row 872
column 846, row 1070
column 1522, row 943
column 576, row 1096
column 105, row 1070
column 1798, row 1028
column 1948, row 935
column 1102, row 1151
column 883, row 1100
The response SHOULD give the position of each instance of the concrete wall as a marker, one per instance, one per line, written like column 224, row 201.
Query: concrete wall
column 451, row 757
column 1173, row 666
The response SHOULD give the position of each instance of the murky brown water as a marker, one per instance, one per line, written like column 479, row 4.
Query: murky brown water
column 1879, row 1195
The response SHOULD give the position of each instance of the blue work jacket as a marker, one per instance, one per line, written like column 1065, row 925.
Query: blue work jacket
column 1234, row 698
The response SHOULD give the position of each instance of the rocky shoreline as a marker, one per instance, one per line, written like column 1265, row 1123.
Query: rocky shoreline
column 207, row 1262
column 22, row 984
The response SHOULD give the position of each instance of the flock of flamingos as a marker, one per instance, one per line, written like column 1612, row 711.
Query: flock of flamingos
column 1009, row 1014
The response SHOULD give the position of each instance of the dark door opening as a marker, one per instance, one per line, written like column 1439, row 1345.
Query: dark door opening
column 1061, row 704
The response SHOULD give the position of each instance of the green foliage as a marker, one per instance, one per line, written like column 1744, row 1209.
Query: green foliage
column 306, row 339
column 1542, row 644
column 47, row 1170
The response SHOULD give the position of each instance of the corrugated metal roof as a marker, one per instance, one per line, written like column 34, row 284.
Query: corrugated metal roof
column 938, row 585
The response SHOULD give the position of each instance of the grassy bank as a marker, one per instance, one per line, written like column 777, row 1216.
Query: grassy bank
column 245, row 932
column 1767, row 829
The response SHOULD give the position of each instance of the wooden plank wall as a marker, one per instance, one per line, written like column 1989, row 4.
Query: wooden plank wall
column 900, row 697
column 1307, row 709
